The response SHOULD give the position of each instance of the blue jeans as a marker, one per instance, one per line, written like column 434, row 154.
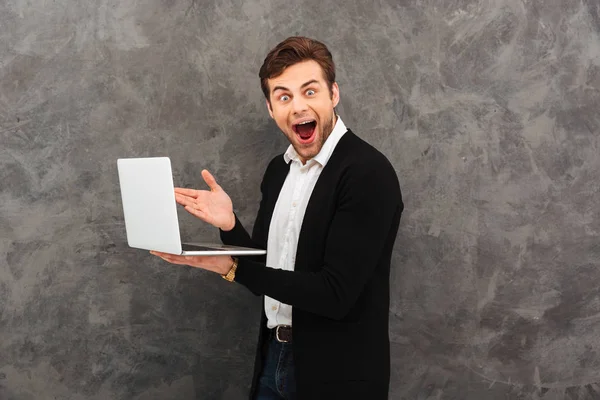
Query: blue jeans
column 277, row 381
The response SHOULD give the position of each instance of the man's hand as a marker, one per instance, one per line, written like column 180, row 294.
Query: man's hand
column 218, row 264
column 212, row 206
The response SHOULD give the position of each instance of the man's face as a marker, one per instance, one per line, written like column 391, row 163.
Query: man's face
column 302, row 106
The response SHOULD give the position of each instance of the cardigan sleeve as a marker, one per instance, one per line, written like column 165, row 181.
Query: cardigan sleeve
column 369, row 203
column 238, row 236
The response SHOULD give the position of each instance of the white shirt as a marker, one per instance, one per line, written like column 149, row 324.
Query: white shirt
column 289, row 213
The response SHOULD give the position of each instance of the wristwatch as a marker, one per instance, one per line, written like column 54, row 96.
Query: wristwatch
column 231, row 274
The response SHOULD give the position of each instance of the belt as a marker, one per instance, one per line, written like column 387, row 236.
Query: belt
column 282, row 333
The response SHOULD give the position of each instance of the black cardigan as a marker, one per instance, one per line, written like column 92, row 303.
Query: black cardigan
column 339, row 289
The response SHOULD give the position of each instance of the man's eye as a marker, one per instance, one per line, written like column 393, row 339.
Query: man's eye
column 310, row 92
column 285, row 97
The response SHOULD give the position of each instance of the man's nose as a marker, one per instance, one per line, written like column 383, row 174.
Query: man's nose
column 299, row 104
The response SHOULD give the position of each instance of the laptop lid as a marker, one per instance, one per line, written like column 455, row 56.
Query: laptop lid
column 149, row 206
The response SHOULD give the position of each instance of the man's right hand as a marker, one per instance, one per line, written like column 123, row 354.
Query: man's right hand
column 213, row 206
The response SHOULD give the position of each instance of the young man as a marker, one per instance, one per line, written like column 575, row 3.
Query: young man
column 328, row 217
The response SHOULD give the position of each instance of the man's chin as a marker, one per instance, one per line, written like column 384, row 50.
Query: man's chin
column 305, row 153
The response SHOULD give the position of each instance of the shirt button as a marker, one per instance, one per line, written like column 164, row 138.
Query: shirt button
column 274, row 308
column 294, row 204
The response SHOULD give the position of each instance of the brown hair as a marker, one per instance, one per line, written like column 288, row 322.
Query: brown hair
column 291, row 51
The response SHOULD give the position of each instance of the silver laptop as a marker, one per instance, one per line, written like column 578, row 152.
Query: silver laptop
column 150, row 210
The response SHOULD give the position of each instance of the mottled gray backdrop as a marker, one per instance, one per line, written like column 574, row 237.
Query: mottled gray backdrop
column 489, row 111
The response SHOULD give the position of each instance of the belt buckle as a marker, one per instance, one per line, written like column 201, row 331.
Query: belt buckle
column 277, row 334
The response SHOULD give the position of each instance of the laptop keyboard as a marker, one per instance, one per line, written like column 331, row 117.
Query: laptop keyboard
column 194, row 247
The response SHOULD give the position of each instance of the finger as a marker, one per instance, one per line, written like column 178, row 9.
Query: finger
column 164, row 256
column 159, row 253
column 167, row 256
column 210, row 180
column 179, row 260
column 193, row 193
column 191, row 261
column 184, row 200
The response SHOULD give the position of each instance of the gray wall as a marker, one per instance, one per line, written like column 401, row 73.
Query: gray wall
column 487, row 109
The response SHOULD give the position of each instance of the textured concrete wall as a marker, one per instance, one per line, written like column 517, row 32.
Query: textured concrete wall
column 487, row 109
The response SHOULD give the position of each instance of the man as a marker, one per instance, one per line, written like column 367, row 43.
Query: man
column 328, row 217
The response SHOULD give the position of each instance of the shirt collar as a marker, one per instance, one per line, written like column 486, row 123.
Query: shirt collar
column 323, row 157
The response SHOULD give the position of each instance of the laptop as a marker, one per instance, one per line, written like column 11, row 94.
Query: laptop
column 150, row 211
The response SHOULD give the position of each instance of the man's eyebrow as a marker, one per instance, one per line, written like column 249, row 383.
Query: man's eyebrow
column 309, row 83
column 276, row 88
column 312, row 81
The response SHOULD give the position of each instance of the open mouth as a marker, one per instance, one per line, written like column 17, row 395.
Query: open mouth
column 305, row 130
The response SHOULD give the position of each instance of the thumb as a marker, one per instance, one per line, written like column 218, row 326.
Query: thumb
column 210, row 180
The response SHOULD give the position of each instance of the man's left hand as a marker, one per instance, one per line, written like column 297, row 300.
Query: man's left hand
column 218, row 264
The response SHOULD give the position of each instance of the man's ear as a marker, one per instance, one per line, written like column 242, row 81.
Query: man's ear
column 335, row 94
column 270, row 109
